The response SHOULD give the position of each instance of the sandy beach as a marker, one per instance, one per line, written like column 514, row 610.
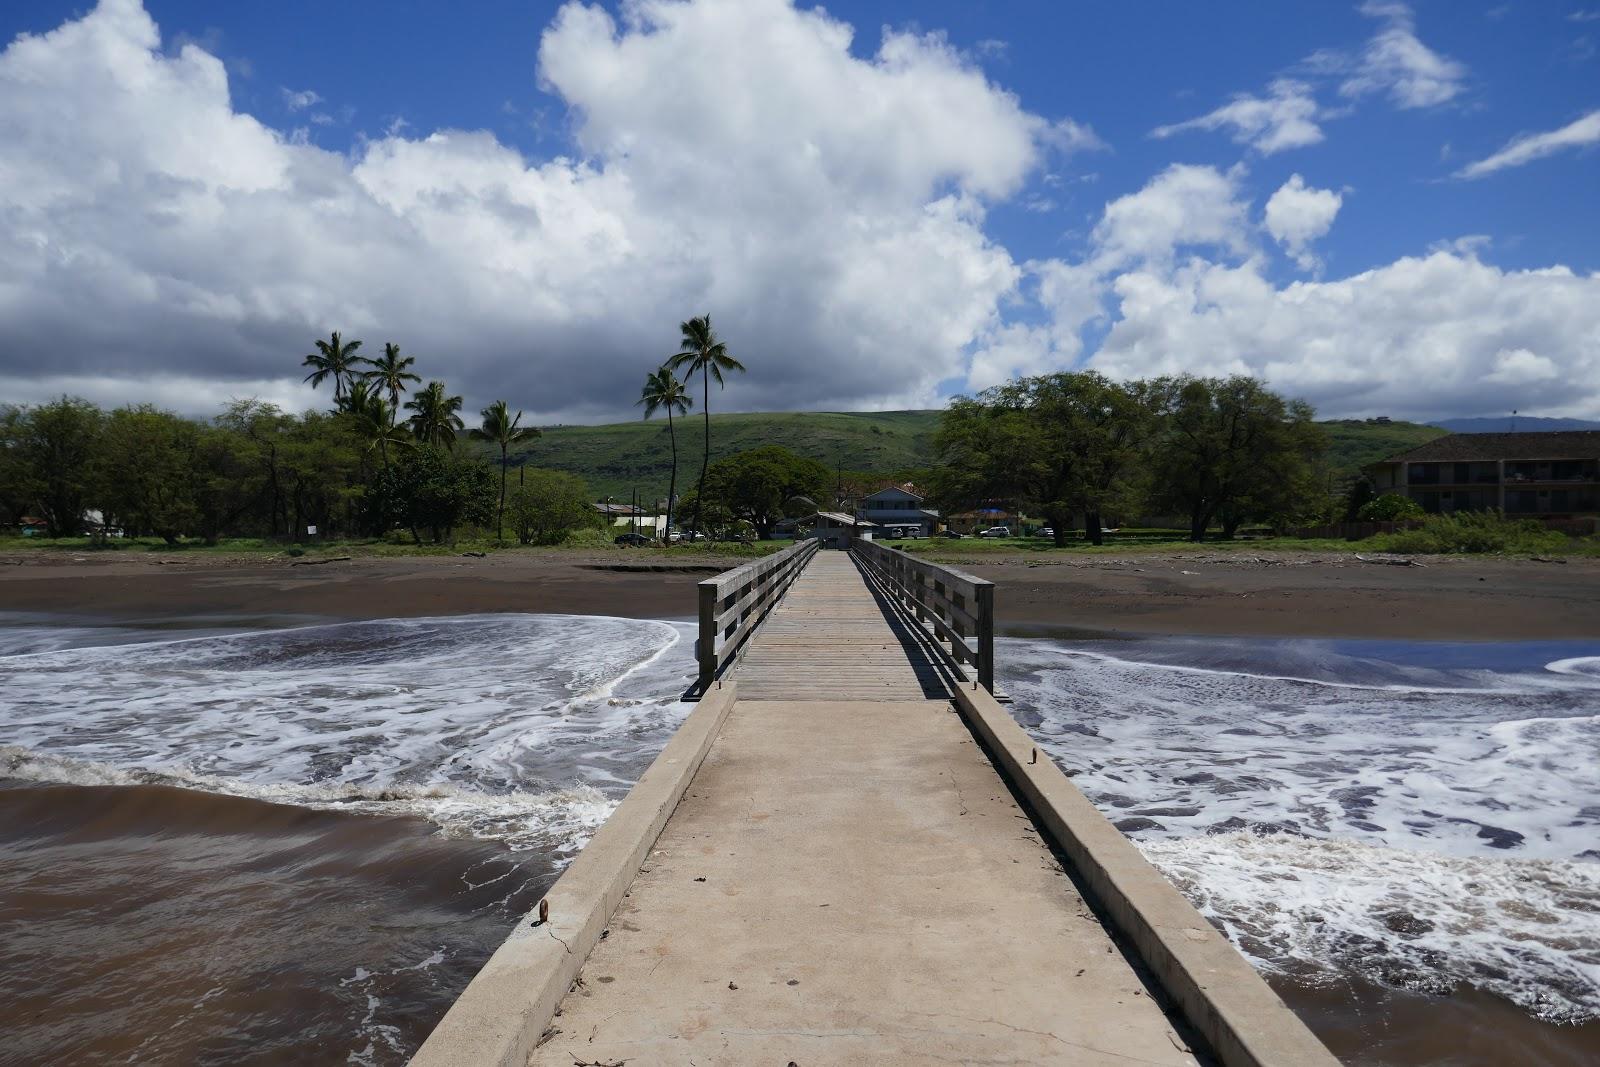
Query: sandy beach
column 1199, row 592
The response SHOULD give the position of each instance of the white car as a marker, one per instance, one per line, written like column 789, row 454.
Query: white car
column 996, row 531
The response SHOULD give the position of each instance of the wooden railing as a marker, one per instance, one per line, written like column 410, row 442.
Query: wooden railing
column 733, row 603
column 958, row 607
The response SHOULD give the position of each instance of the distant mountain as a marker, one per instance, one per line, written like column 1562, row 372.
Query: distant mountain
column 1518, row 423
column 618, row 459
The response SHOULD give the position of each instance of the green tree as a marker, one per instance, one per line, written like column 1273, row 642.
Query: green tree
column 16, row 480
column 756, row 484
column 334, row 358
column 52, row 449
column 431, row 488
column 663, row 392
column 548, row 505
column 504, row 429
column 701, row 352
column 435, row 419
column 1061, row 444
column 147, row 471
column 1231, row 450
column 390, row 372
column 1389, row 507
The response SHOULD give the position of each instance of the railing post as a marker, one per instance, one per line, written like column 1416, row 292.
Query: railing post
column 986, row 636
column 706, row 647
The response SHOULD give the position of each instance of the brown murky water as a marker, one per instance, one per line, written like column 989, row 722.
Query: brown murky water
column 298, row 846
column 157, row 925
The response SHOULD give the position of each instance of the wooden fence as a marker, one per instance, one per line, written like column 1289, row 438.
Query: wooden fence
column 733, row 603
column 957, row 606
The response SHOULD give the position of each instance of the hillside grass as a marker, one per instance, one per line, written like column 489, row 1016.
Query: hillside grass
column 616, row 459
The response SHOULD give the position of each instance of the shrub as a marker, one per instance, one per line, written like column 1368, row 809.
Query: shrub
column 1473, row 531
column 547, row 505
column 1388, row 508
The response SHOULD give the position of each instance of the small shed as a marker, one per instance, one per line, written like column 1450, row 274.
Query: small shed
column 837, row 530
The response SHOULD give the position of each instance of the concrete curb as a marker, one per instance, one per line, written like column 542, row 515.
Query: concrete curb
column 1215, row 988
column 501, row 1015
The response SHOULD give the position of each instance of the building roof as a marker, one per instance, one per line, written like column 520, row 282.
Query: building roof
column 618, row 509
column 1465, row 447
column 901, row 489
column 842, row 519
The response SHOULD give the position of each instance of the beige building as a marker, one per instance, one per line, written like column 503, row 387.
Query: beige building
column 1524, row 475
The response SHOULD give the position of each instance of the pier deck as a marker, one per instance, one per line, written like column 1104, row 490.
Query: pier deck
column 850, row 883
column 829, row 865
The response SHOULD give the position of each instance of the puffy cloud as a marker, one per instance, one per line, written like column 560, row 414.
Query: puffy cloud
column 1531, row 146
column 1298, row 214
column 1427, row 337
column 829, row 214
column 1431, row 336
column 1396, row 62
column 1182, row 206
column 1284, row 119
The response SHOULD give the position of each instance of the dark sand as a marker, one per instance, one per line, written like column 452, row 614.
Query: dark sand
column 1282, row 595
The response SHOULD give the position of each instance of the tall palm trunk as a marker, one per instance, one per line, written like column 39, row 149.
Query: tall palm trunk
column 500, row 517
column 672, row 488
column 705, row 460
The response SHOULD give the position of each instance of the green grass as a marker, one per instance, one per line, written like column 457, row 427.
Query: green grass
column 587, row 541
column 617, row 458
column 1354, row 443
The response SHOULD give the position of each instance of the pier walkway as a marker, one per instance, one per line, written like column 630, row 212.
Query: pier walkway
column 851, row 854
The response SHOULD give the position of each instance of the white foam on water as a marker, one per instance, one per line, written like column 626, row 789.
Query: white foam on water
column 520, row 728
column 1526, row 930
column 1343, row 815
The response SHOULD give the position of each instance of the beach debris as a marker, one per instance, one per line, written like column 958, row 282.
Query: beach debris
column 1546, row 559
column 732, row 985
column 1399, row 562
column 1188, row 572
column 475, row 555
column 318, row 562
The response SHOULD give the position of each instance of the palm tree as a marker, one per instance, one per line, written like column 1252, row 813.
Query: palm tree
column 391, row 371
column 435, row 421
column 701, row 351
column 662, row 390
column 501, row 427
column 334, row 359
column 373, row 416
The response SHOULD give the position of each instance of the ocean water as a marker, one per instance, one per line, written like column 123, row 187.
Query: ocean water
column 235, row 841
column 296, row 844
column 1419, row 817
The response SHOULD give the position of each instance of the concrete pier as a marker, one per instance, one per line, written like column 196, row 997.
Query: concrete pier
column 861, row 859
column 851, row 883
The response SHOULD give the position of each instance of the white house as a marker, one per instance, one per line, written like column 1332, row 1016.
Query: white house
column 898, row 506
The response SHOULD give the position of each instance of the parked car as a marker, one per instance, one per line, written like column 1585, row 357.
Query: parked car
column 634, row 540
column 1046, row 532
column 996, row 531
column 951, row 534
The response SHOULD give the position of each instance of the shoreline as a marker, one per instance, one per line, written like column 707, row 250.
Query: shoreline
column 1205, row 594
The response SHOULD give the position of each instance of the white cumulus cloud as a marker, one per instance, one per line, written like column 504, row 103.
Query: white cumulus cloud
column 1285, row 118
column 1297, row 214
column 828, row 212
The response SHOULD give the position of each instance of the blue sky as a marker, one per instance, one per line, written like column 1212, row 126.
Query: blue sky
column 962, row 193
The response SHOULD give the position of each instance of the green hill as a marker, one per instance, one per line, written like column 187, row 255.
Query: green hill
column 617, row 458
column 1354, row 443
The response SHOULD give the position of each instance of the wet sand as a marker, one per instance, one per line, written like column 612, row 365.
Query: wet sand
column 1283, row 595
